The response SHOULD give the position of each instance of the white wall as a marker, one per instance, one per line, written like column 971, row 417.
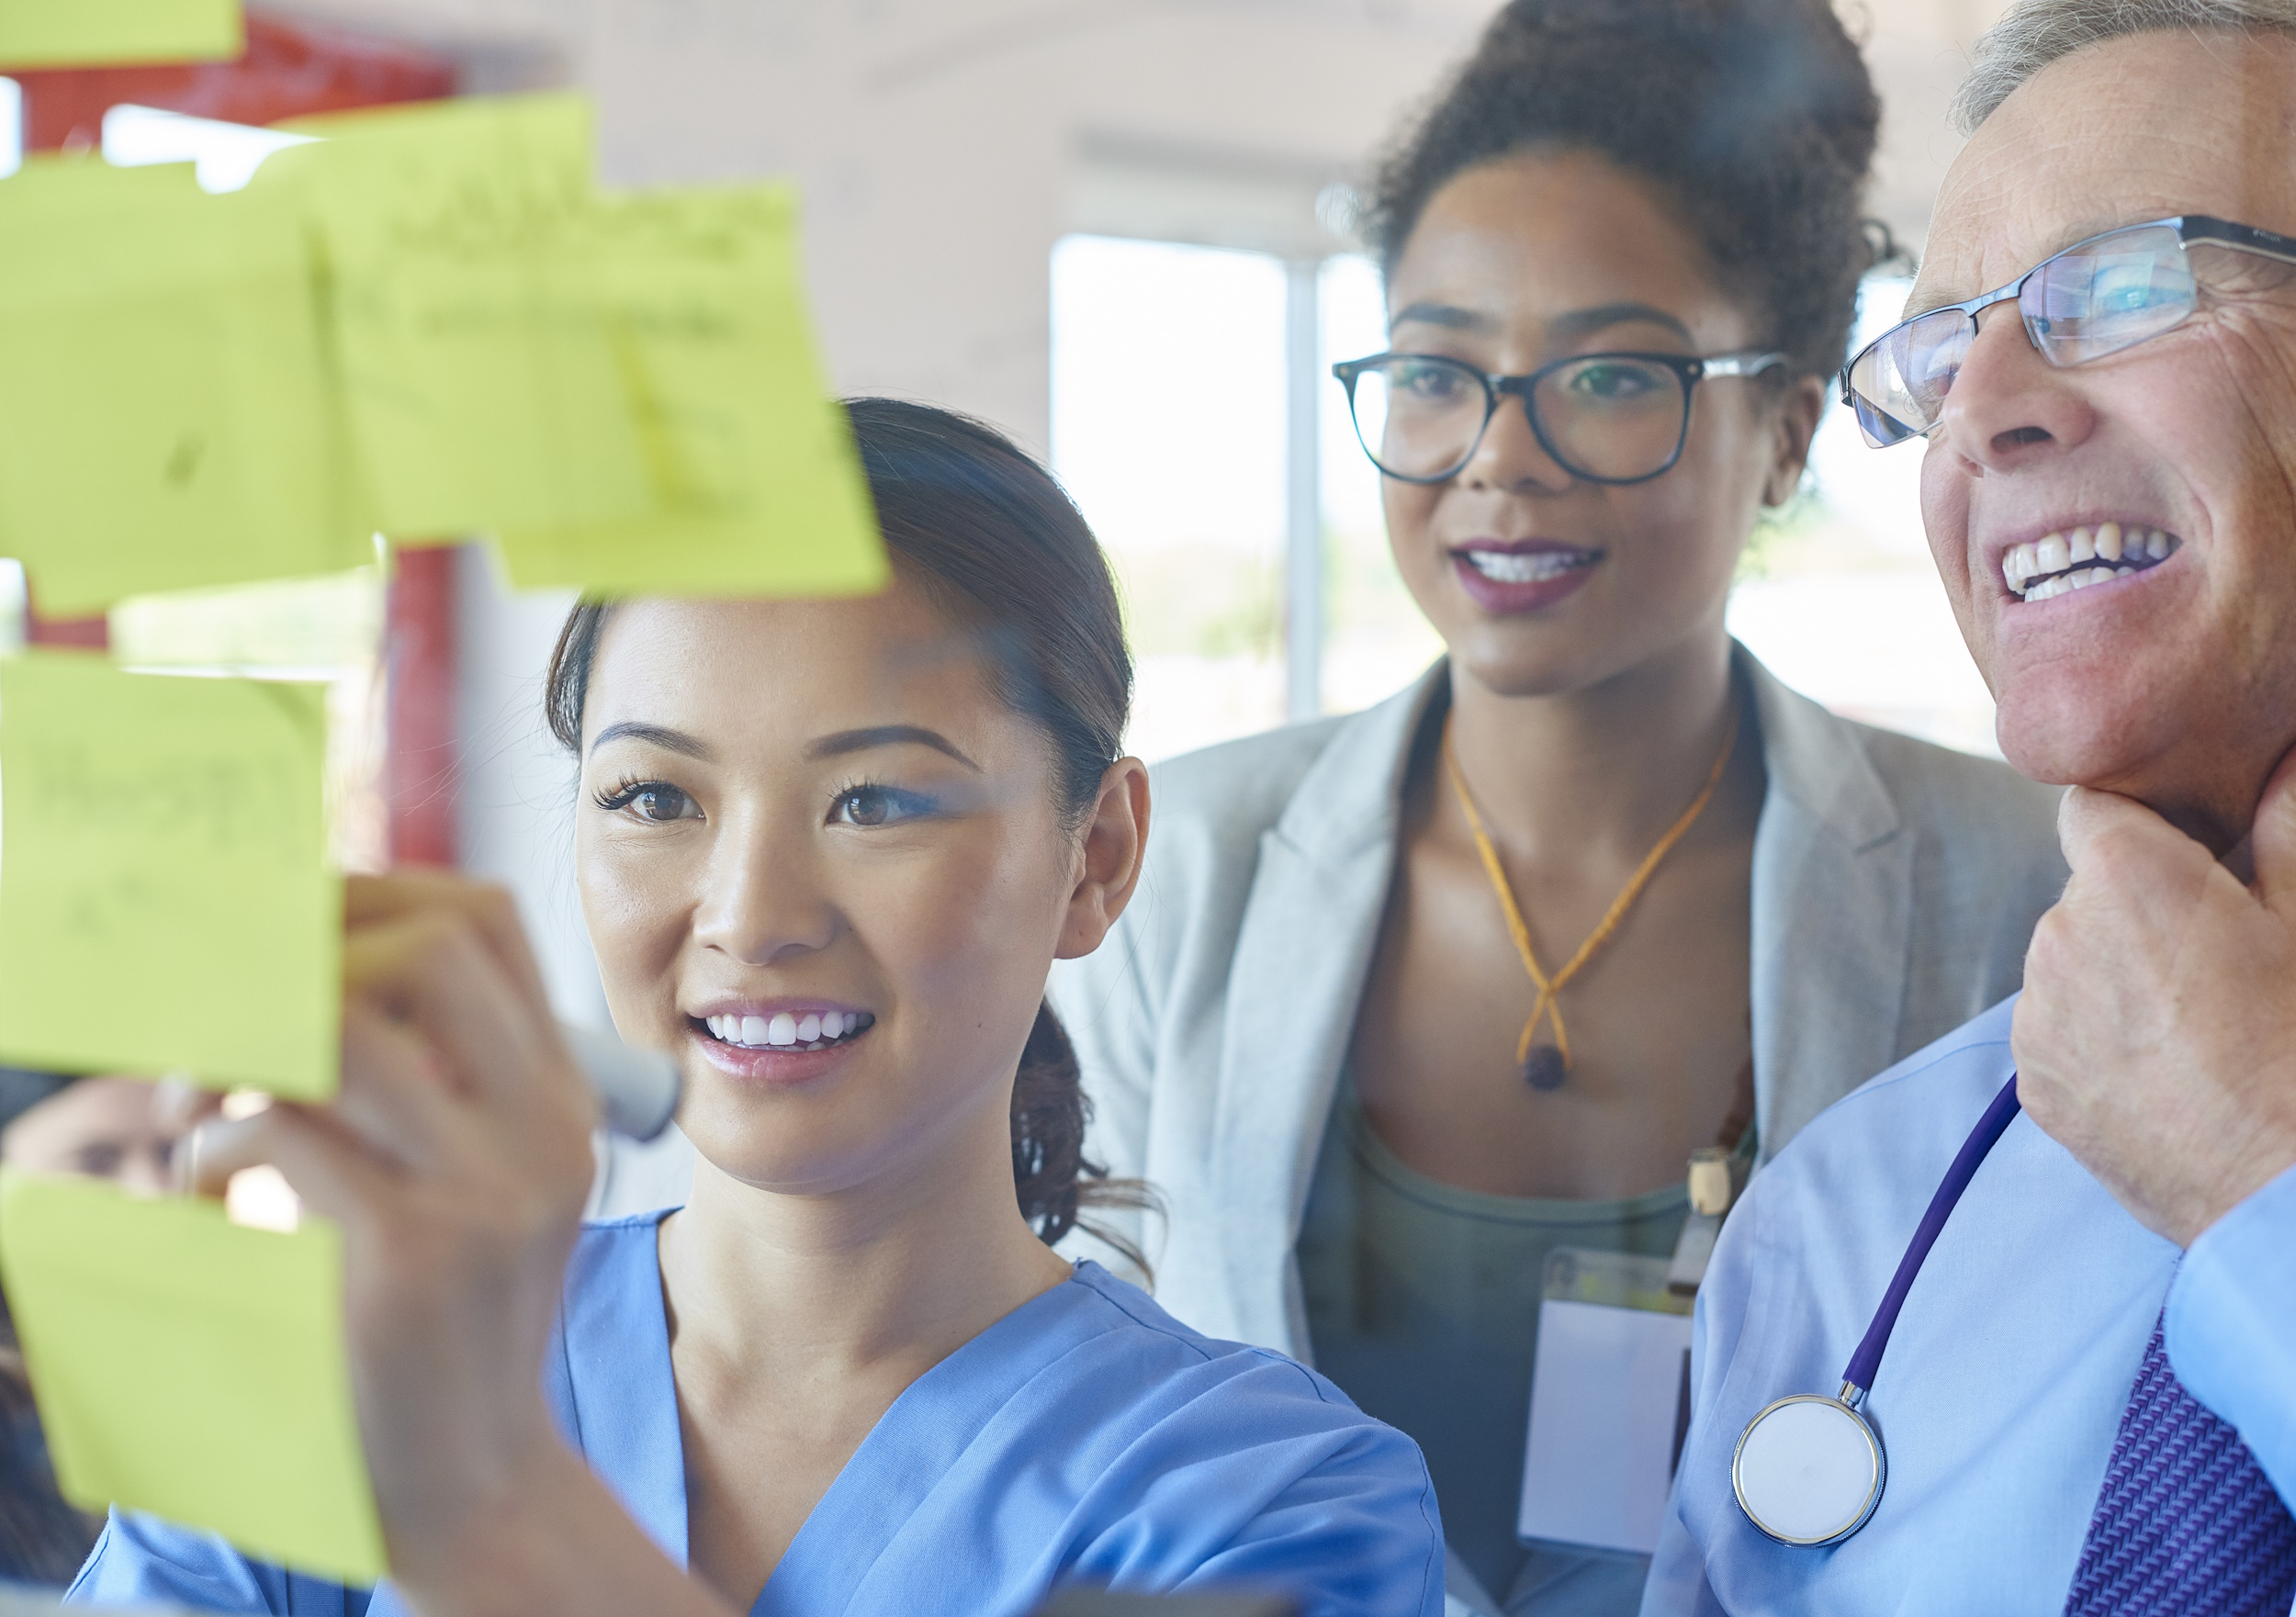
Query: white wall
column 518, row 784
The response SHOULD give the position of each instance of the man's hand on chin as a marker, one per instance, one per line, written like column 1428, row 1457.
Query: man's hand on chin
column 2156, row 1039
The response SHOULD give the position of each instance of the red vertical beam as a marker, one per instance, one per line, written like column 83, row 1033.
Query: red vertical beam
column 420, row 767
column 90, row 633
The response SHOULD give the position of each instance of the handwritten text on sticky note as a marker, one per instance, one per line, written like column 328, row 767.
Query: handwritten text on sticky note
column 478, row 401
column 753, row 486
column 165, row 903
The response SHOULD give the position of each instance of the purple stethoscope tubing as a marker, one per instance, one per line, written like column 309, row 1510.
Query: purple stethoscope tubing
column 1867, row 1360
column 1809, row 1470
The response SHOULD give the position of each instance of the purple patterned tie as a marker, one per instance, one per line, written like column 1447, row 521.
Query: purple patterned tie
column 2187, row 1521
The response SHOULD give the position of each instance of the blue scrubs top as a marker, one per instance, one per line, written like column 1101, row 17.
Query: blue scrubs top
column 2002, row 1390
column 1087, row 1437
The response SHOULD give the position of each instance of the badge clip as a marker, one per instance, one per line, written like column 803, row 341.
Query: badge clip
column 1713, row 1186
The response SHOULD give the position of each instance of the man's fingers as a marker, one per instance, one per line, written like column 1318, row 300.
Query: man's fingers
column 2125, row 857
column 2087, row 818
column 2272, row 841
column 489, row 910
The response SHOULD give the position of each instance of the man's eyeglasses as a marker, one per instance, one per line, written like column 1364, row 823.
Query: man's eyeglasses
column 2098, row 297
column 1608, row 417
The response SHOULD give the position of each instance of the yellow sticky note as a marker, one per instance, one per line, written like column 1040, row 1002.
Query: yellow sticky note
column 169, row 420
column 752, row 483
column 165, row 903
column 193, row 1368
column 92, row 33
column 478, row 396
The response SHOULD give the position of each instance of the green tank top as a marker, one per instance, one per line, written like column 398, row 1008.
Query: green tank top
column 1423, row 1305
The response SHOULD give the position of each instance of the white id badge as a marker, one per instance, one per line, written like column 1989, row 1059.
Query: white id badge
column 1610, row 1402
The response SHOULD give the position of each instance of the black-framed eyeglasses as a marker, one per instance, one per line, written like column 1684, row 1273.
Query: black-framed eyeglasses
column 1608, row 417
column 2099, row 296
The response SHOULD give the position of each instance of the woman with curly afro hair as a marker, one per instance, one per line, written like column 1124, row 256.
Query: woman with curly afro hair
column 1431, row 1002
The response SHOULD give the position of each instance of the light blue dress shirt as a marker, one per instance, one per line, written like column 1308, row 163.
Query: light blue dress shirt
column 1086, row 1437
column 2002, row 1388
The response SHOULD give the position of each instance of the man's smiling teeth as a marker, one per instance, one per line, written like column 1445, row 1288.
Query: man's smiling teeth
column 2060, row 562
column 785, row 1031
column 1536, row 567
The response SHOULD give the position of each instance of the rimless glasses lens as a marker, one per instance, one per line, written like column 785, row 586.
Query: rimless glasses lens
column 2099, row 296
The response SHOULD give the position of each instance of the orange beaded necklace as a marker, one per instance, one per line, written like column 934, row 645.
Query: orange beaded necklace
column 1547, row 1065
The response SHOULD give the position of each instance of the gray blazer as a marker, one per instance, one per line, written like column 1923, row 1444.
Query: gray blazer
column 1894, row 887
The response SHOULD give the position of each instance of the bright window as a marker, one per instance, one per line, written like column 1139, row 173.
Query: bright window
column 11, row 126
column 1840, row 598
column 1168, row 428
column 1375, row 641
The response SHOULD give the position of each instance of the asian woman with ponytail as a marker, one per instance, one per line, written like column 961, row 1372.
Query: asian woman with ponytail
column 828, row 852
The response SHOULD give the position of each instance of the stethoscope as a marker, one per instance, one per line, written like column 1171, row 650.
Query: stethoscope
column 1809, row 1469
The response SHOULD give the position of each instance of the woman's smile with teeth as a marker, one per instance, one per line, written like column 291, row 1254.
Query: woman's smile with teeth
column 814, row 1030
column 1527, row 568
column 2073, row 559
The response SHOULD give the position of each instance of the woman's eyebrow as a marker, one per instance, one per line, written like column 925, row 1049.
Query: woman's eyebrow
column 1578, row 323
column 845, row 741
column 1446, row 315
column 660, row 735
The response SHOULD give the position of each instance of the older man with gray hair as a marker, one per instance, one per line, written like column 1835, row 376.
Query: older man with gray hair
column 1956, row 1355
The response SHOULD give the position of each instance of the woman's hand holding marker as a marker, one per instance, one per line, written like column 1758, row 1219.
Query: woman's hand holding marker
column 456, row 1158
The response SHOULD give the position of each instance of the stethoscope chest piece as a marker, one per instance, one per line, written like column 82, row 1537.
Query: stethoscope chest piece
column 1808, row 1470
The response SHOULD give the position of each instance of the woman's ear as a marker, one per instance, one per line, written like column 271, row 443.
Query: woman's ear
column 1794, row 424
column 1116, row 839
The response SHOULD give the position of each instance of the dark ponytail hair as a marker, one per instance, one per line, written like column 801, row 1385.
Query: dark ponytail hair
column 1004, row 551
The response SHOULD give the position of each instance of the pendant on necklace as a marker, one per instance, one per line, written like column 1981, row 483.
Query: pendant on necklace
column 1544, row 1068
